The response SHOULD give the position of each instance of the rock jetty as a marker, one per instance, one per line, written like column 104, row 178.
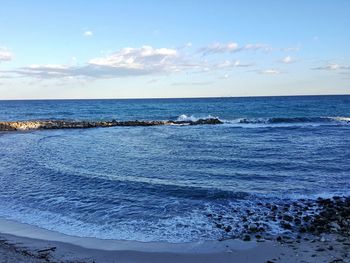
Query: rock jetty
column 66, row 124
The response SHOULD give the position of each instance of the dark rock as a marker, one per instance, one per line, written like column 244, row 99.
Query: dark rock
column 249, row 213
column 60, row 124
column 311, row 229
column 297, row 221
column 228, row 229
column 306, row 218
column 334, row 226
column 261, row 229
column 253, row 228
column 246, row 238
column 286, row 225
column 288, row 218
column 219, row 225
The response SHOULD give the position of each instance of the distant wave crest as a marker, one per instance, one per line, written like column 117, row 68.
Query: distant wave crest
column 294, row 120
column 273, row 121
column 185, row 117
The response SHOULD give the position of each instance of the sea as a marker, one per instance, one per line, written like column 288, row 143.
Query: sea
column 162, row 183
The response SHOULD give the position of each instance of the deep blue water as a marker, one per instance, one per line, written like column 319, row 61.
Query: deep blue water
column 159, row 183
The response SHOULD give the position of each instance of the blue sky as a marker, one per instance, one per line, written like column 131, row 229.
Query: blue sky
column 114, row 49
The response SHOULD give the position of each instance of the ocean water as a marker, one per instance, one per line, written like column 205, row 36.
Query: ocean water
column 160, row 183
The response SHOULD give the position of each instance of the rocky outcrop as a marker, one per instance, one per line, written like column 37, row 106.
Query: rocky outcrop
column 298, row 218
column 61, row 124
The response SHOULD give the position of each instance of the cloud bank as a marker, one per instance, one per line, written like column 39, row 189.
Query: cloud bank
column 125, row 62
column 146, row 60
column 332, row 67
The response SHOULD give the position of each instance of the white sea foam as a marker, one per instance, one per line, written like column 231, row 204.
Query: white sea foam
column 193, row 226
column 342, row 119
column 273, row 121
column 185, row 117
column 287, row 122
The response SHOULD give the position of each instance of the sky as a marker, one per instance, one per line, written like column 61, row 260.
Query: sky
column 160, row 49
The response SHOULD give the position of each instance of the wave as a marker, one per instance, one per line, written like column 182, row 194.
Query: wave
column 272, row 121
column 192, row 118
column 294, row 120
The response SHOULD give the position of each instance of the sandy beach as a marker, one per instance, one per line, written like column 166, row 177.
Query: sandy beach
column 25, row 243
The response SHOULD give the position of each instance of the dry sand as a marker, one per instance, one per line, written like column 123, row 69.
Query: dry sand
column 24, row 243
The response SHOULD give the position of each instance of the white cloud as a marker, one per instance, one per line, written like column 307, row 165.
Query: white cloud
column 287, row 60
column 238, row 64
column 129, row 62
column 5, row 54
column 332, row 67
column 145, row 58
column 262, row 47
column 225, row 76
column 125, row 62
column 88, row 33
column 232, row 47
column 49, row 67
column 230, row 64
column 45, row 71
column 220, row 48
column 270, row 72
column 224, row 64
column 292, row 49
column 197, row 83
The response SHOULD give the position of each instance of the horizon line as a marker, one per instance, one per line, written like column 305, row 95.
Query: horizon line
column 167, row 98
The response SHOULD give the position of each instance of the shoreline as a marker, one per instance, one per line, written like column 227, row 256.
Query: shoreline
column 35, row 244
column 14, row 228
column 21, row 242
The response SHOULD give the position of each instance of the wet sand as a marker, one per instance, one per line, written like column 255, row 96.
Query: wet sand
column 25, row 243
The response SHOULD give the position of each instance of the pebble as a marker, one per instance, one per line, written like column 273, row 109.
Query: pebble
column 298, row 219
column 246, row 238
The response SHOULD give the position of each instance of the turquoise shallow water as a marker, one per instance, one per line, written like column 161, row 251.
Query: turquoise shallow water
column 160, row 183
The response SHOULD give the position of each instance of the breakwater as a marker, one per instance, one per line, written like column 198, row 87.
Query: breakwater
column 66, row 124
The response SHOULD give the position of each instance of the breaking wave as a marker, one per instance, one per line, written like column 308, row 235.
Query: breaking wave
column 294, row 120
column 272, row 122
column 192, row 118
